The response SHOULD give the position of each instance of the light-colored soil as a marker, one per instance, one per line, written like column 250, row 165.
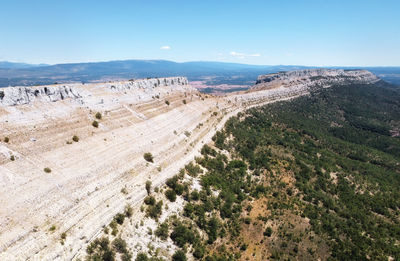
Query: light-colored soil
column 83, row 191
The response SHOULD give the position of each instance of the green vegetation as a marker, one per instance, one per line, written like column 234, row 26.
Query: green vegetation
column 171, row 195
column 162, row 231
column 148, row 185
column 98, row 115
column 95, row 124
column 179, row 255
column 167, row 102
column 322, row 172
column 6, row 139
column 75, row 138
column 148, row 157
column 47, row 170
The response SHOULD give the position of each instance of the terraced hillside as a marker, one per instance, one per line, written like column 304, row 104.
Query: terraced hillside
column 71, row 156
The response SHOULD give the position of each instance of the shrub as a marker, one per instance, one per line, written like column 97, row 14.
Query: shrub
column 148, row 157
column 98, row 115
column 148, row 187
column 141, row 257
column 162, row 231
column 171, row 195
column 179, row 255
column 47, row 170
column 268, row 232
column 154, row 211
column 95, row 124
column 75, row 138
column 182, row 235
column 128, row 211
column 167, row 102
column 63, row 236
column 12, row 158
column 184, row 101
column 126, row 257
column 124, row 190
column 119, row 218
column 150, row 200
column 194, row 195
column 120, row 245
column 199, row 251
column 52, row 228
column 100, row 249
column 6, row 139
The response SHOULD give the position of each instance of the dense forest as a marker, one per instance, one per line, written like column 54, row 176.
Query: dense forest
column 313, row 178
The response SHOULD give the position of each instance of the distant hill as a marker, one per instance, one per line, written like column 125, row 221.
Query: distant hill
column 211, row 74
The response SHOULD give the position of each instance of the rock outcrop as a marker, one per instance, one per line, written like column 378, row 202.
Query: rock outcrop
column 12, row 96
column 314, row 77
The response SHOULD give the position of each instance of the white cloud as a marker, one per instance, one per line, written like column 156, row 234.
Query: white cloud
column 244, row 55
column 165, row 47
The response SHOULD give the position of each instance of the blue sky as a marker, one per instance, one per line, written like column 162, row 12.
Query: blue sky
column 343, row 33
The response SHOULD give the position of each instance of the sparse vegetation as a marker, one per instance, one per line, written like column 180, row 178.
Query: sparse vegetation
column 148, row 157
column 6, row 139
column 95, row 124
column 75, row 138
column 171, row 195
column 148, row 187
column 47, row 170
column 167, row 102
column 98, row 115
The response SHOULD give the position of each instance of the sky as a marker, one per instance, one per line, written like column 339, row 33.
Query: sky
column 315, row 33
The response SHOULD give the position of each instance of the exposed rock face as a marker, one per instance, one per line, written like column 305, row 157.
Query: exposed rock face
column 12, row 96
column 24, row 95
column 314, row 77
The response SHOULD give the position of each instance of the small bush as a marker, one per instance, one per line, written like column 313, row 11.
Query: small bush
column 120, row 245
column 100, row 249
column 95, row 124
column 162, row 231
column 128, row 211
column 63, row 236
column 12, row 158
column 167, row 102
column 171, row 195
column 52, row 228
column 179, row 255
column 98, row 116
column 154, row 211
column 124, row 191
column 142, row 257
column 148, row 187
column 148, row 157
column 75, row 138
column 119, row 218
column 184, row 101
column 47, row 170
column 6, row 139
column 150, row 200
column 268, row 232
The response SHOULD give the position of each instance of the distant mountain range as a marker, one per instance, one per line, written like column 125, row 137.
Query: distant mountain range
column 212, row 73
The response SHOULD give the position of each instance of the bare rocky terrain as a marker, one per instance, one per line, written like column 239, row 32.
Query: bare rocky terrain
column 51, row 184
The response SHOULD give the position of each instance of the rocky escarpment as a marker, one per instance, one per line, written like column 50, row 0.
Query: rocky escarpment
column 314, row 77
column 12, row 96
